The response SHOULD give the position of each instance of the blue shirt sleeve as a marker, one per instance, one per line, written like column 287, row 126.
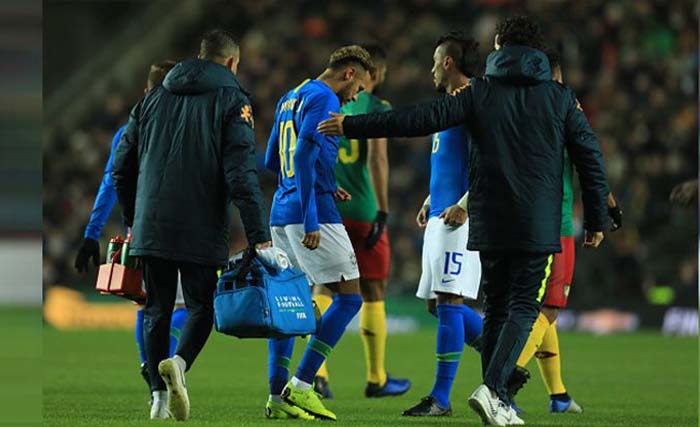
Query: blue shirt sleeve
column 272, row 154
column 106, row 195
column 309, row 142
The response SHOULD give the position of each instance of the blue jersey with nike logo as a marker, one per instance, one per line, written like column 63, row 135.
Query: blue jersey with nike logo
column 449, row 168
column 303, row 158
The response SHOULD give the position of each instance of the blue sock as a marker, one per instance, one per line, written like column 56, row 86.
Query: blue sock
column 473, row 326
column 279, row 354
column 333, row 323
column 450, row 342
column 176, row 323
column 140, row 343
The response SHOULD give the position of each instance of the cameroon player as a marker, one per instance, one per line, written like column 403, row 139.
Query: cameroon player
column 363, row 170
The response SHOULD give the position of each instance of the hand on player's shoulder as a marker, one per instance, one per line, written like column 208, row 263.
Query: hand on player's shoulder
column 332, row 126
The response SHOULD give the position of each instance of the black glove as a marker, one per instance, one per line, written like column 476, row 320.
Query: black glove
column 89, row 249
column 615, row 214
column 375, row 233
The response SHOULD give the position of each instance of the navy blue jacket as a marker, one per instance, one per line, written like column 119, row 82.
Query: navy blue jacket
column 521, row 122
column 188, row 152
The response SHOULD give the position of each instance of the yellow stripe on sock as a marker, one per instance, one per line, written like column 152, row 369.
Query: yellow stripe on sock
column 547, row 273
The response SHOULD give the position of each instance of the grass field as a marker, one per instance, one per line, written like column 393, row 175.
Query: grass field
column 20, row 366
column 91, row 379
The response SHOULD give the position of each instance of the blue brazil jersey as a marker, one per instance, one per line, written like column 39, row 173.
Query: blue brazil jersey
column 106, row 195
column 449, row 168
column 303, row 158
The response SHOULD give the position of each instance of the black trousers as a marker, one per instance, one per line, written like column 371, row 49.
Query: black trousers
column 514, row 284
column 198, row 284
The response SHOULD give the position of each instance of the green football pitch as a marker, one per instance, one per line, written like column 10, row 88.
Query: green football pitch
column 20, row 366
column 91, row 379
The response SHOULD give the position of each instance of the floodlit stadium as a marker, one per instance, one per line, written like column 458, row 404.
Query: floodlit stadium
column 616, row 345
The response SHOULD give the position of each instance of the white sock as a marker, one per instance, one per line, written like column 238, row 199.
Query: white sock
column 180, row 362
column 159, row 396
column 275, row 398
column 302, row 385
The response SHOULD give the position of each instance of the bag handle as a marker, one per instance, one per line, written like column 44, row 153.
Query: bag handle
column 246, row 263
column 116, row 256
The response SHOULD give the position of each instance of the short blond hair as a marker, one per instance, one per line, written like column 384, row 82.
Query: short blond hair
column 346, row 55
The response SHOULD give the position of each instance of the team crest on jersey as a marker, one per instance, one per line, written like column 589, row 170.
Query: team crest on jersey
column 247, row 115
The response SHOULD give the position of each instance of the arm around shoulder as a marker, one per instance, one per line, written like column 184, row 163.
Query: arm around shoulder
column 416, row 120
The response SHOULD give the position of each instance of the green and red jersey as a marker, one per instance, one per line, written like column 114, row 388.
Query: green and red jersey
column 567, row 206
column 351, row 168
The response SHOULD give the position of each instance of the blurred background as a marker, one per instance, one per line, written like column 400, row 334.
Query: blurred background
column 633, row 65
column 20, row 212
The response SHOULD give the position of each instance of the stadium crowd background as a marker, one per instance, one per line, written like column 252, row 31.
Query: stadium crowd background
column 633, row 65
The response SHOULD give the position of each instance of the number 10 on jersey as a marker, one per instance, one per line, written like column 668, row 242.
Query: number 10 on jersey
column 288, row 143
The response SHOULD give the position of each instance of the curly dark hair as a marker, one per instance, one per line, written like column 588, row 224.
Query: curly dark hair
column 520, row 30
column 463, row 49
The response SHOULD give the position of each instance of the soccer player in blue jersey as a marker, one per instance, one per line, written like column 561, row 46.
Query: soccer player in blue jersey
column 104, row 203
column 306, row 223
column 450, row 273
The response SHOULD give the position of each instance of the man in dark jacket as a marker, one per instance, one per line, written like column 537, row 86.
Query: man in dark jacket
column 521, row 122
column 187, row 153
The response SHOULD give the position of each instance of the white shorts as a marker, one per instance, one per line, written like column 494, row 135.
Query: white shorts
column 334, row 259
column 447, row 264
column 179, row 297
